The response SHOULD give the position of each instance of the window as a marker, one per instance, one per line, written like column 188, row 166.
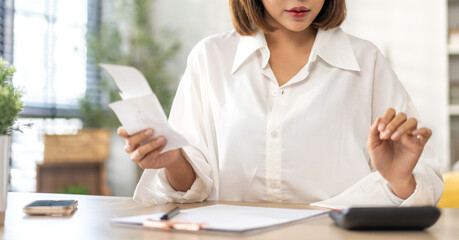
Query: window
column 49, row 52
column 6, row 30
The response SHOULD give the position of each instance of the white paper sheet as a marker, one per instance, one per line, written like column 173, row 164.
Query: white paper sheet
column 129, row 80
column 230, row 218
column 140, row 108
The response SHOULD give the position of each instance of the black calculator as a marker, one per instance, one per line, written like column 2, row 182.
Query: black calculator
column 386, row 218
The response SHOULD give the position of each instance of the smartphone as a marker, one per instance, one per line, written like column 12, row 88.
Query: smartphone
column 51, row 207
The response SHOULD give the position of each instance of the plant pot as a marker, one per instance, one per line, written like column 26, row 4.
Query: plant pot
column 5, row 143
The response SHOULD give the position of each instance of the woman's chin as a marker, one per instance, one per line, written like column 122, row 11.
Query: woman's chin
column 296, row 28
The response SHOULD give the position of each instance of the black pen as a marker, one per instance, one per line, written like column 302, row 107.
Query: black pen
column 172, row 213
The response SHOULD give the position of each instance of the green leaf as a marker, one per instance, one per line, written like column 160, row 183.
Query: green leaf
column 10, row 99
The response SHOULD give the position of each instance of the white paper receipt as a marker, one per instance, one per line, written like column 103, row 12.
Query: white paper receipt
column 140, row 108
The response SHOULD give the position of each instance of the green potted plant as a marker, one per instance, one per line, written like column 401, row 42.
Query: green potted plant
column 10, row 106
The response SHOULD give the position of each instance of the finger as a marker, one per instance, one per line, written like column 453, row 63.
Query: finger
column 374, row 128
column 392, row 125
column 122, row 132
column 373, row 135
column 127, row 148
column 150, row 160
column 388, row 116
column 423, row 134
column 406, row 128
column 145, row 149
column 135, row 140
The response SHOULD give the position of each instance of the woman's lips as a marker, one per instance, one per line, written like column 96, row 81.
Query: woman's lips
column 298, row 12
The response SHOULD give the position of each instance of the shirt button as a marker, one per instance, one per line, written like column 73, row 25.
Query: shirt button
column 274, row 185
column 274, row 93
column 274, row 134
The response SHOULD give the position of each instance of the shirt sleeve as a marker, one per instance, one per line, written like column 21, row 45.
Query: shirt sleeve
column 189, row 117
column 374, row 190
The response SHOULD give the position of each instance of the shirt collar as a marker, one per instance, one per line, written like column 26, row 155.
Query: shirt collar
column 333, row 46
column 249, row 45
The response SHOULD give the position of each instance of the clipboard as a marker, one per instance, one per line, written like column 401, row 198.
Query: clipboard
column 225, row 219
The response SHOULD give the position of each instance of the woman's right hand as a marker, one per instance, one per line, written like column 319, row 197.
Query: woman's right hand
column 148, row 155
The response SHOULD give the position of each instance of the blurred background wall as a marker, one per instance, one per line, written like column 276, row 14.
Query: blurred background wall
column 192, row 21
column 413, row 37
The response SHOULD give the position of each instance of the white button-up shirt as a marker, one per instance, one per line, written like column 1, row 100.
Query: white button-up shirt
column 303, row 142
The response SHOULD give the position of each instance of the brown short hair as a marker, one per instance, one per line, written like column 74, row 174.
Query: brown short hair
column 248, row 15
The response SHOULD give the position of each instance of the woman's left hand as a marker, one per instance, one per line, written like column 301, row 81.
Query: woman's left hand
column 395, row 145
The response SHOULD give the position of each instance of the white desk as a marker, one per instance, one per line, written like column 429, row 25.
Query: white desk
column 91, row 221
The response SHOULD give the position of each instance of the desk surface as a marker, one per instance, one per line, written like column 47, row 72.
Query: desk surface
column 91, row 221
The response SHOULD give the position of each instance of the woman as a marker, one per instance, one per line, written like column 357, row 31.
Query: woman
column 289, row 108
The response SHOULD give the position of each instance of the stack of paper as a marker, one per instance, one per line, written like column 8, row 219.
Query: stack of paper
column 230, row 218
column 140, row 108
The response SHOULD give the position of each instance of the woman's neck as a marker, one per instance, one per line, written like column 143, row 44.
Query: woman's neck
column 288, row 40
column 289, row 51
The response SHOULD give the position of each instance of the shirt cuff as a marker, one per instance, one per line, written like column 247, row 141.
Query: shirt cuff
column 154, row 188
column 194, row 194
column 368, row 192
column 375, row 191
column 420, row 197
